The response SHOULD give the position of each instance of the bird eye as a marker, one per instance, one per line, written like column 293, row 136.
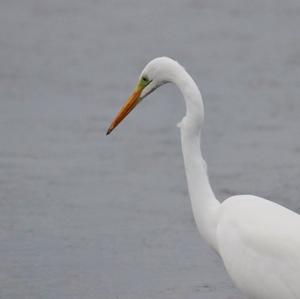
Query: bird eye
column 144, row 81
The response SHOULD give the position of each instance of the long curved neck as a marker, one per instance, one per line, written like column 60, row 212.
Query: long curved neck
column 204, row 203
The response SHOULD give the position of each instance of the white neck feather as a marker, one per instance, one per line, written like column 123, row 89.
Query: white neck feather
column 204, row 203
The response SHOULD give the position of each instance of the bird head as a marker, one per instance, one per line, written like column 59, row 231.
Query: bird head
column 156, row 73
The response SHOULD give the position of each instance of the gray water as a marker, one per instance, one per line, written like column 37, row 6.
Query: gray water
column 83, row 215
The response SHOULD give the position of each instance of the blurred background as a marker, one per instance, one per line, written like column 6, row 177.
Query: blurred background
column 83, row 215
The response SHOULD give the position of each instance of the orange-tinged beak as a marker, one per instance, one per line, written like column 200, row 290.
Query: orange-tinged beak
column 132, row 101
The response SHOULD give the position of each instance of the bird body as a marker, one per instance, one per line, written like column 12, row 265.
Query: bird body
column 258, row 240
column 259, row 243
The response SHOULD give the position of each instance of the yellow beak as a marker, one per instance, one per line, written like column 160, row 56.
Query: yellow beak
column 132, row 101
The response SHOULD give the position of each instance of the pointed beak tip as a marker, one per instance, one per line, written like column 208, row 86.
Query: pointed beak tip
column 108, row 131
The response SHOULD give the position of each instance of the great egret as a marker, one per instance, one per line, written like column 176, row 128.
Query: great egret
column 258, row 240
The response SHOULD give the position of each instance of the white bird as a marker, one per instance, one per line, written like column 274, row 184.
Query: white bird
column 257, row 239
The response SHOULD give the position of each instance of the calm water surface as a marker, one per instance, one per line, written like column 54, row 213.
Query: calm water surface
column 83, row 215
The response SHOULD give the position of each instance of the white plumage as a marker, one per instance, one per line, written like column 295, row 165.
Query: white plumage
column 258, row 240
